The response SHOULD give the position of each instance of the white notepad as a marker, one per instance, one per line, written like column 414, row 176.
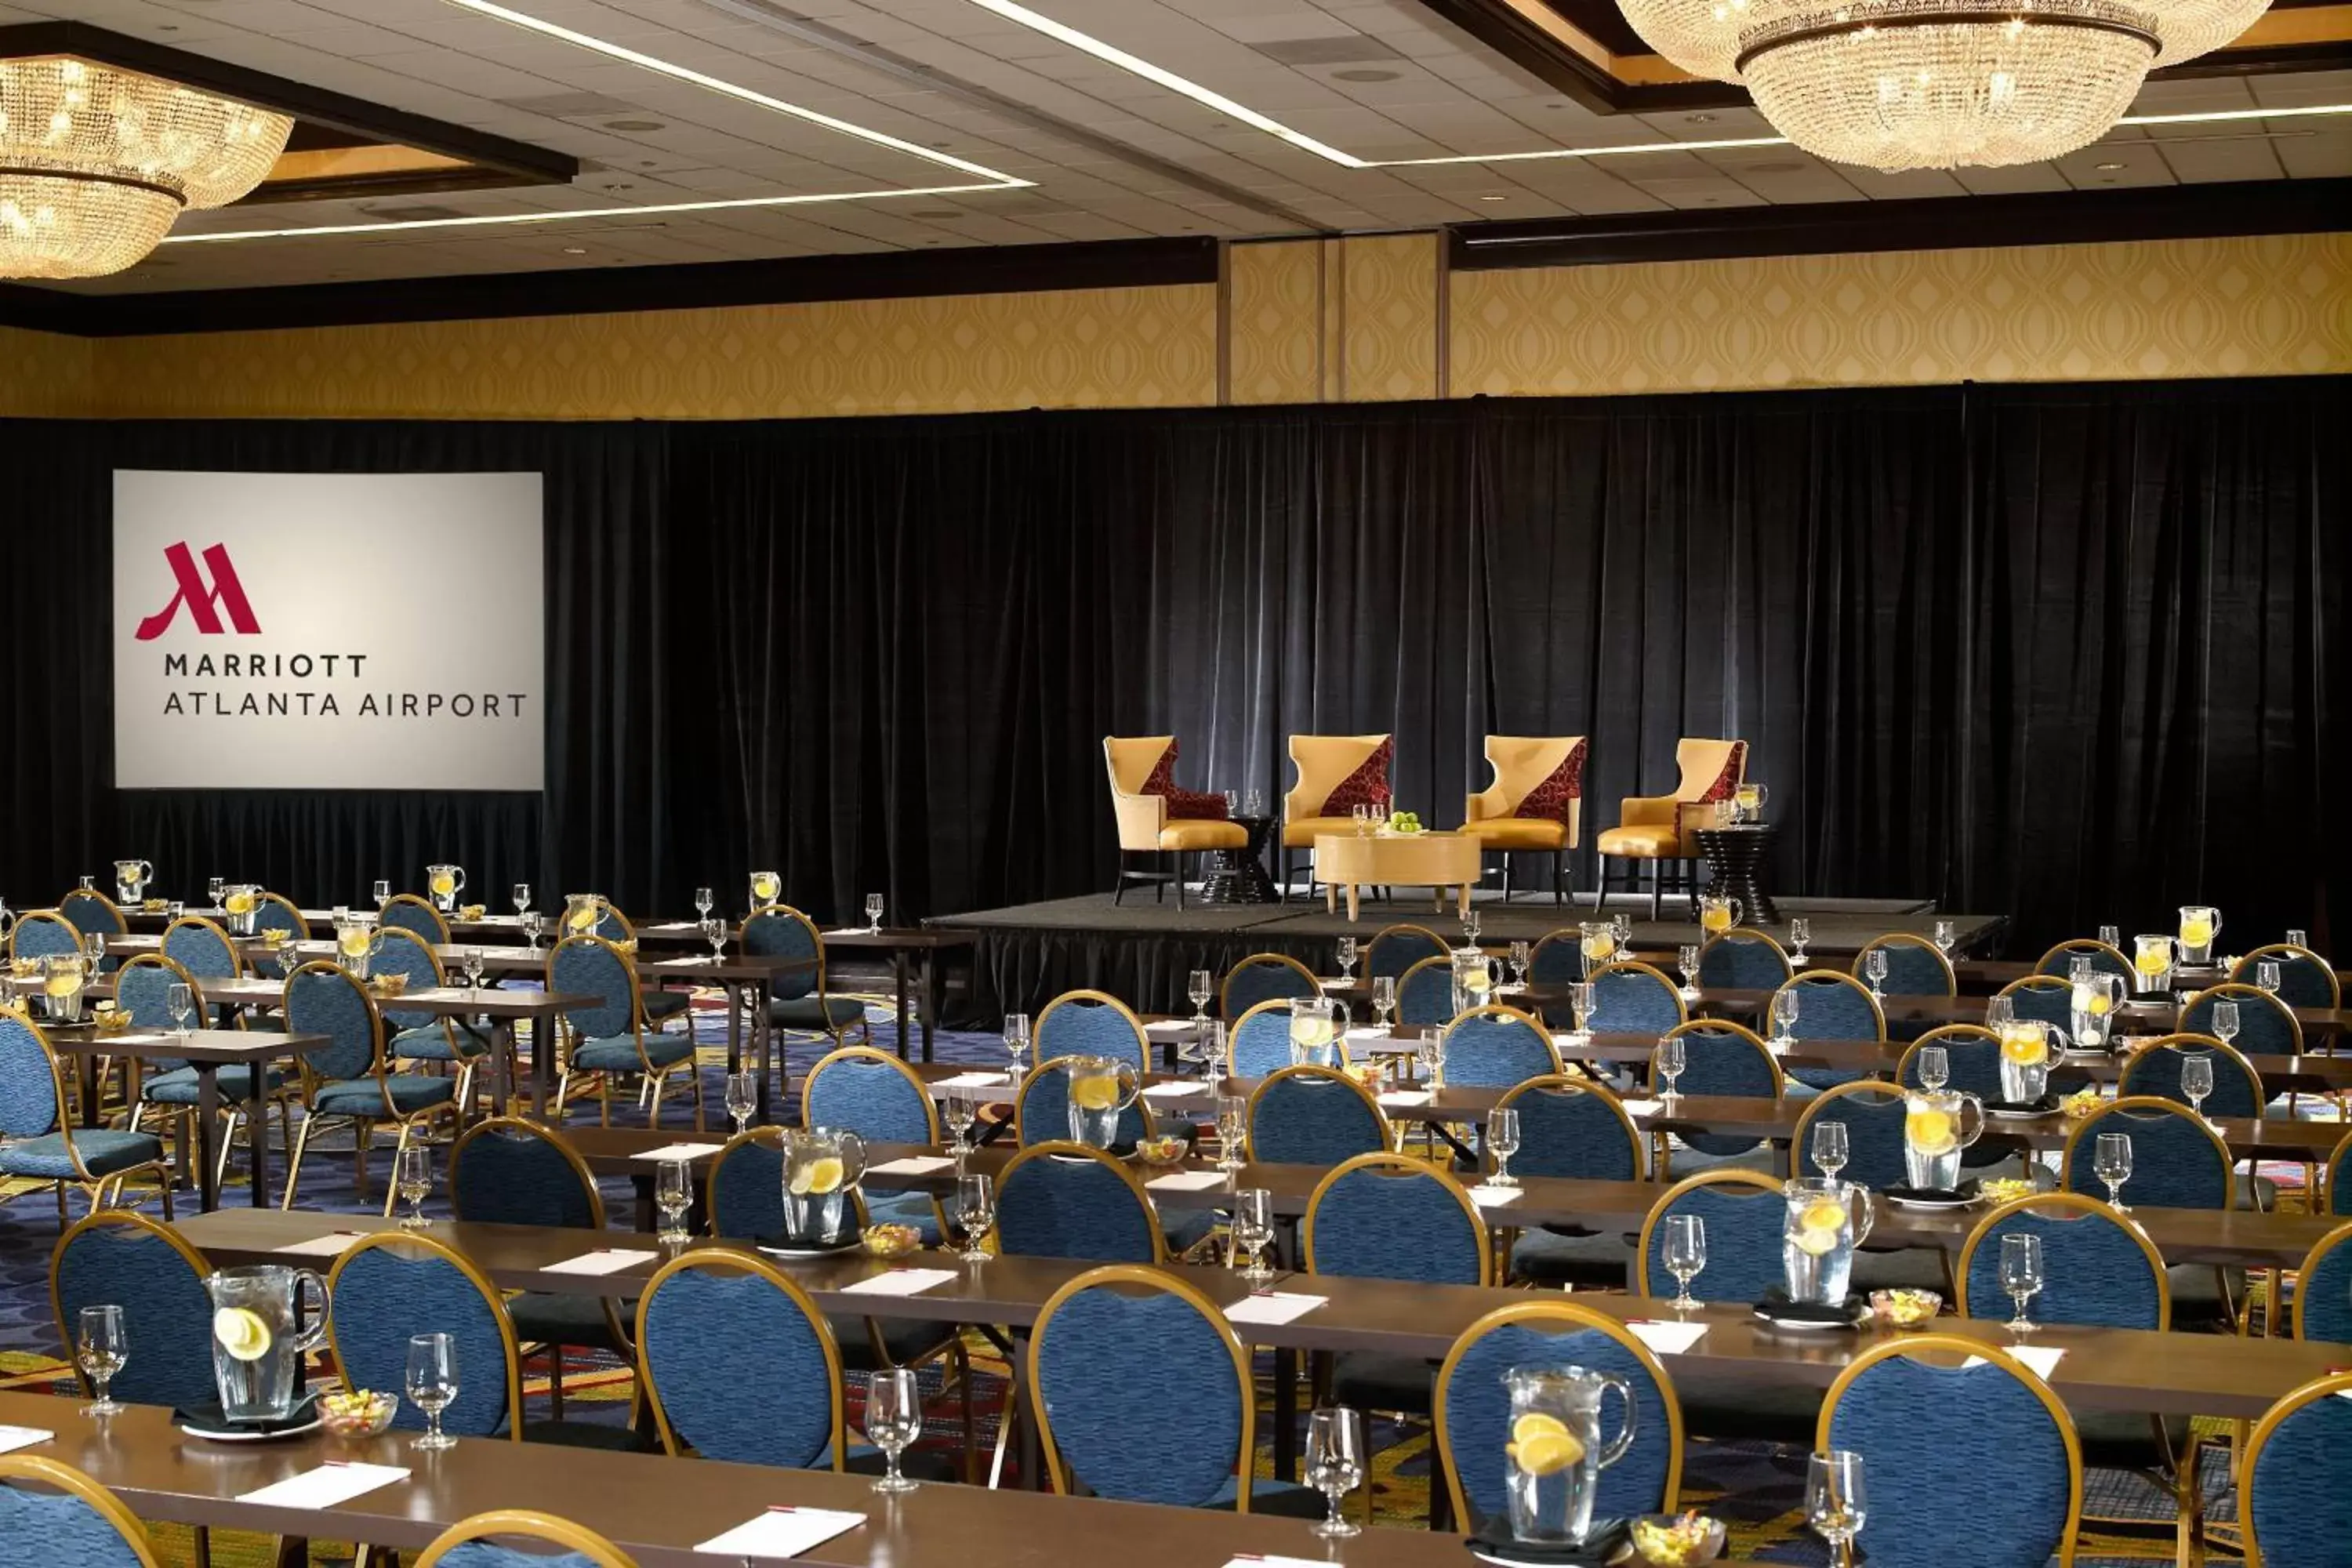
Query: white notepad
column 783, row 1531
column 604, row 1261
column 334, row 1244
column 972, row 1081
column 1667, row 1338
column 1367, row 1032
column 326, row 1486
column 911, row 1165
column 1494, row 1197
column 1188, row 1181
column 1642, row 1107
column 1273, row 1307
column 1401, row 1097
column 15, row 1438
column 1171, row 1029
column 2040, row 1360
column 1174, row 1090
column 680, row 1151
column 901, row 1282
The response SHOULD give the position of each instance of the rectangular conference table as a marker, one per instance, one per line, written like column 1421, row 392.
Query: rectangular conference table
column 927, row 945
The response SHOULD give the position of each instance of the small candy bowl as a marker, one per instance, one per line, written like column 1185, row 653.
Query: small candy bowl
column 108, row 1018
column 2006, row 1189
column 154, row 906
column 1162, row 1150
column 472, row 911
column 2081, row 1103
column 357, row 1414
column 891, row 1240
column 1671, row 1540
column 1904, row 1308
column 387, row 985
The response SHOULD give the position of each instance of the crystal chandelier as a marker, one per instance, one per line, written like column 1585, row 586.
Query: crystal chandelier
column 1910, row 84
column 96, row 163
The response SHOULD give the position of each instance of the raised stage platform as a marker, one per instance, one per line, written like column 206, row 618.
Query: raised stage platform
column 1143, row 951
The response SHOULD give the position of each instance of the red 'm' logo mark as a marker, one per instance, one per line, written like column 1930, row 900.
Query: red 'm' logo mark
column 204, row 603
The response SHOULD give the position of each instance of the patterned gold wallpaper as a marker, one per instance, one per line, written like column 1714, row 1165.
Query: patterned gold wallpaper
column 1344, row 321
column 2140, row 309
column 1390, row 336
column 46, row 376
column 1273, row 336
column 1130, row 347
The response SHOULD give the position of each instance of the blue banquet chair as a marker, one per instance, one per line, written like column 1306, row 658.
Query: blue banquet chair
column 872, row 1093
column 54, row 1516
column 121, row 1257
column 1397, row 947
column 348, row 1079
column 1060, row 1199
column 1259, row 1043
column 2266, row 1024
column 2178, row 1162
column 38, row 1140
column 1264, row 977
column 472, row 1544
column 1091, row 1024
column 1721, row 1057
column 2305, row 978
column 1634, row 999
column 799, row 999
column 1314, row 1116
column 2153, row 1069
column 609, row 1037
column 778, row 1344
column 1831, row 1007
column 408, row 912
column 2295, row 1507
column 1572, row 1128
column 1743, row 960
column 1745, row 1216
column 419, row 1036
column 1496, row 1046
column 1915, row 966
column 2324, row 1289
column 1425, row 994
column 2106, row 959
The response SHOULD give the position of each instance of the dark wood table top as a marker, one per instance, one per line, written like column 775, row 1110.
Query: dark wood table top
column 901, row 937
column 2214, row 1375
column 445, row 1000
column 222, row 1047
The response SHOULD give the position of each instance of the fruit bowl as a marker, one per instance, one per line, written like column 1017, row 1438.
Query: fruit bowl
column 154, row 906
column 2081, row 1103
column 1906, row 1308
column 387, row 985
column 107, row 1018
column 472, row 911
column 1671, row 1540
column 273, row 936
column 891, row 1240
column 2005, row 1189
column 1162, row 1150
column 357, row 1414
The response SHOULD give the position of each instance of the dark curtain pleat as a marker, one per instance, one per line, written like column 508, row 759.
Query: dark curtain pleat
column 2072, row 654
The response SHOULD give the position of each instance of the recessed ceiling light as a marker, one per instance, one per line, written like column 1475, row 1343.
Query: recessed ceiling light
column 1365, row 76
column 1490, row 198
column 575, row 250
column 935, row 215
column 635, row 125
column 2106, row 168
column 1699, row 119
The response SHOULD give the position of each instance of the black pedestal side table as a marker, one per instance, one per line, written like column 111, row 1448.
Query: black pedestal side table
column 1239, row 876
column 1736, row 861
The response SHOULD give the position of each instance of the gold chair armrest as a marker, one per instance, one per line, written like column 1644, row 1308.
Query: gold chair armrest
column 1485, row 803
column 1140, row 818
column 1650, row 811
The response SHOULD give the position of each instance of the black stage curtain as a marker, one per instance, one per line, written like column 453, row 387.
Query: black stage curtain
column 2063, row 653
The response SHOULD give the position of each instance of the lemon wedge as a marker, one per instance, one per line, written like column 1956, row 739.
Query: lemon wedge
column 238, row 903
column 1547, row 1454
column 354, row 943
column 2099, row 1004
column 1536, row 1424
column 444, row 884
column 2026, row 1048
column 1102, row 1093
column 817, row 1177
column 241, row 1333
column 1311, row 1031
column 1930, row 1132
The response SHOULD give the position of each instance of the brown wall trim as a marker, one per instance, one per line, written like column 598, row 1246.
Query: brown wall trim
column 587, row 291
column 1942, row 223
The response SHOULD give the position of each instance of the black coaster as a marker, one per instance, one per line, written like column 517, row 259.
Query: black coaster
column 1492, row 1543
column 2045, row 1106
column 1933, row 1197
column 784, row 1247
column 210, row 1421
column 1777, row 1309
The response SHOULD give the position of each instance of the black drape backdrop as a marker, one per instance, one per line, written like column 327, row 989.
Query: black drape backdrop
column 2070, row 653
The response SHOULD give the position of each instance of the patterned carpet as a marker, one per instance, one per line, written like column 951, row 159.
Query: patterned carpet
column 1757, row 1489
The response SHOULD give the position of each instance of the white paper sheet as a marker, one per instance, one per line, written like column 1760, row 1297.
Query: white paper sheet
column 1171, row 1029
column 911, row 1165
column 1175, row 1091
column 1273, row 1307
column 1494, row 1197
column 1667, row 1338
column 2040, row 1360
column 1367, row 1032
column 1642, row 1107
column 326, row 1486
column 973, row 1081
column 1403, row 1097
column 1257, row 1560
column 784, row 1532
column 15, row 1438
column 334, row 1244
column 680, row 1151
column 604, row 1261
column 901, row 1282
column 1188, row 1181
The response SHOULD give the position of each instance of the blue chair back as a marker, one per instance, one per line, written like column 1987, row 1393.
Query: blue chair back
column 510, row 1171
column 1091, row 1024
column 1874, row 1115
column 388, row 1290
column 1395, row 949
column 2154, row 1068
column 1832, row 1006
column 1573, row 1127
column 1425, row 995
column 1913, row 967
column 1497, row 1047
column 406, row 911
column 746, row 1193
column 2306, row 979
column 321, row 999
column 591, row 966
column 407, row 954
column 1634, row 999
column 1743, row 961
column 29, row 1091
column 2060, row 961
column 2266, row 1025
column 1918, row 1424
column 1383, row 1216
column 2042, row 999
column 1176, row 1436
column 1474, row 1407
column 869, row 1093
column 1263, row 977
column 142, row 988
column 1971, row 1051
column 773, row 1395
column 202, row 948
column 64, row 1529
column 1557, row 959
column 275, row 911
column 40, row 935
column 2295, row 1504
column 1259, row 1042
column 1314, row 1116
column 1745, row 1216
column 1042, row 1111
column 2323, row 1289
column 782, row 931
column 1722, row 1058
column 2097, row 1270
column 90, row 912
column 2176, row 1161
column 1065, row 1200
column 119, row 1257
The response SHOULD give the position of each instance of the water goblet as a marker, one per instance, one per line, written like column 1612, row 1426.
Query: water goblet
column 1829, row 1148
column 974, row 1215
column 432, row 1385
column 180, row 1001
column 2000, row 1010
column 1687, row 960
column 963, row 1114
column 1016, row 1041
column 1383, row 998
column 2113, row 936
column 1935, row 1068
column 1199, row 988
column 2111, row 1161
column 2197, row 1079
column 714, row 931
column 1335, row 1464
column 522, row 898
column 874, row 908
column 1502, row 1141
column 1254, row 1232
column 1669, row 1059
column 2226, row 1022
column 101, row 1348
column 1785, row 1003
column 1620, row 926
column 2021, row 1276
column 470, row 960
column 2298, row 938
column 742, row 1099
column 705, row 901
column 1683, row 1252
column 1347, row 952
column 1580, row 1002
column 1470, row 925
column 2266, row 977
column 1522, row 955
column 894, row 1420
column 412, row 1177
column 1873, row 964
column 673, row 1195
column 214, row 885
column 1835, row 1501
column 1947, row 936
column 1233, row 1131
column 533, row 923
column 380, row 892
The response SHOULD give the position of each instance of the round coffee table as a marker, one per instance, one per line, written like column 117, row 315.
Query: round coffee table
column 1736, row 857
column 1440, row 861
column 1239, row 876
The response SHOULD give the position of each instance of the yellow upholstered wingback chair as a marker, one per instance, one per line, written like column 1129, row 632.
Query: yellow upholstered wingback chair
column 1156, row 818
column 1659, row 830
column 1336, row 773
column 1536, row 802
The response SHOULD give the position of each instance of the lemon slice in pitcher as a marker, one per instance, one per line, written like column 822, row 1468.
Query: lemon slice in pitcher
column 238, row 903
column 241, row 1333
column 817, row 1177
column 1930, row 1132
column 1095, row 1093
column 353, row 943
column 1546, row 1454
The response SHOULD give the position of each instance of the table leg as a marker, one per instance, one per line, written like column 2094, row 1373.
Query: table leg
column 256, row 1138
column 208, row 1109
column 1355, row 893
column 930, row 990
column 763, row 1042
column 1286, row 1415
column 502, row 1050
column 1462, row 904
column 898, row 978
column 542, row 1064
column 1331, row 895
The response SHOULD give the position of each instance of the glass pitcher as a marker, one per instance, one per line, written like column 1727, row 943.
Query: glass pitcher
column 583, row 913
column 1718, row 913
column 822, row 1165
column 1101, row 1088
column 240, row 901
column 61, row 983
column 1476, row 975
column 1315, row 1025
column 258, row 1338
column 2152, row 963
column 1597, row 940
column 1827, row 1220
column 1937, row 1124
column 130, row 880
column 2200, row 924
column 445, row 883
column 2027, row 1046
column 766, row 888
column 2091, row 1010
column 1555, row 1455
column 357, row 943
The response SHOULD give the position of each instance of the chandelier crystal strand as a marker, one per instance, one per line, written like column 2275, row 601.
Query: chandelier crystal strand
column 1940, row 84
column 2193, row 28
column 1701, row 36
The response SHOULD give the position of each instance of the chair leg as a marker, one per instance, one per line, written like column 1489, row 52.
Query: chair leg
column 694, row 1069
column 1176, row 858
column 1507, row 876
column 294, row 1161
column 1559, row 877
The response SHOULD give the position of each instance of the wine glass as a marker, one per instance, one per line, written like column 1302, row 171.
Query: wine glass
column 1687, row 960
column 1335, row 1463
column 2226, row 1022
column 412, row 1177
column 1429, row 1055
column 214, row 885
column 1580, row 1002
column 1784, row 1015
column 874, row 907
column 1255, row 805
column 894, row 1419
column 1470, row 926
column 975, row 1215
column 432, row 1383
column 1348, row 960
column 1873, row 963
column 714, row 931
column 1683, row 1253
column 1620, row 926
column 2113, row 936
column 1383, row 998
column 1254, row 1232
column 1233, row 1130
column 532, row 924
column 704, row 902
column 1360, row 816
column 1669, row 1059
column 521, row 899
column 2021, row 1276
column 1935, row 1068
column 742, row 1099
column 1835, row 1501
column 1016, row 1041
column 1522, row 954
column 101, row 1350
column 2266, row 977
column 93, row 950
column 673, row 1195
column 1947, row 935
column 2111, row 1160
column 180, row 1001
column 470, row 960
column 1829, row 1149
column 2299, row 939
column 1199, row 988
column 1800, row 932
column 2197, row 1079
column 2000, row 1010
column 1502, row 1141
column 963, row 1114
column 382, row 892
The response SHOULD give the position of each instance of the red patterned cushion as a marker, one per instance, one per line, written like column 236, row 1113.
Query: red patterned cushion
column 1728, row 780
column 1556, row 794
column 1368, row 786
column 1183, row 805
